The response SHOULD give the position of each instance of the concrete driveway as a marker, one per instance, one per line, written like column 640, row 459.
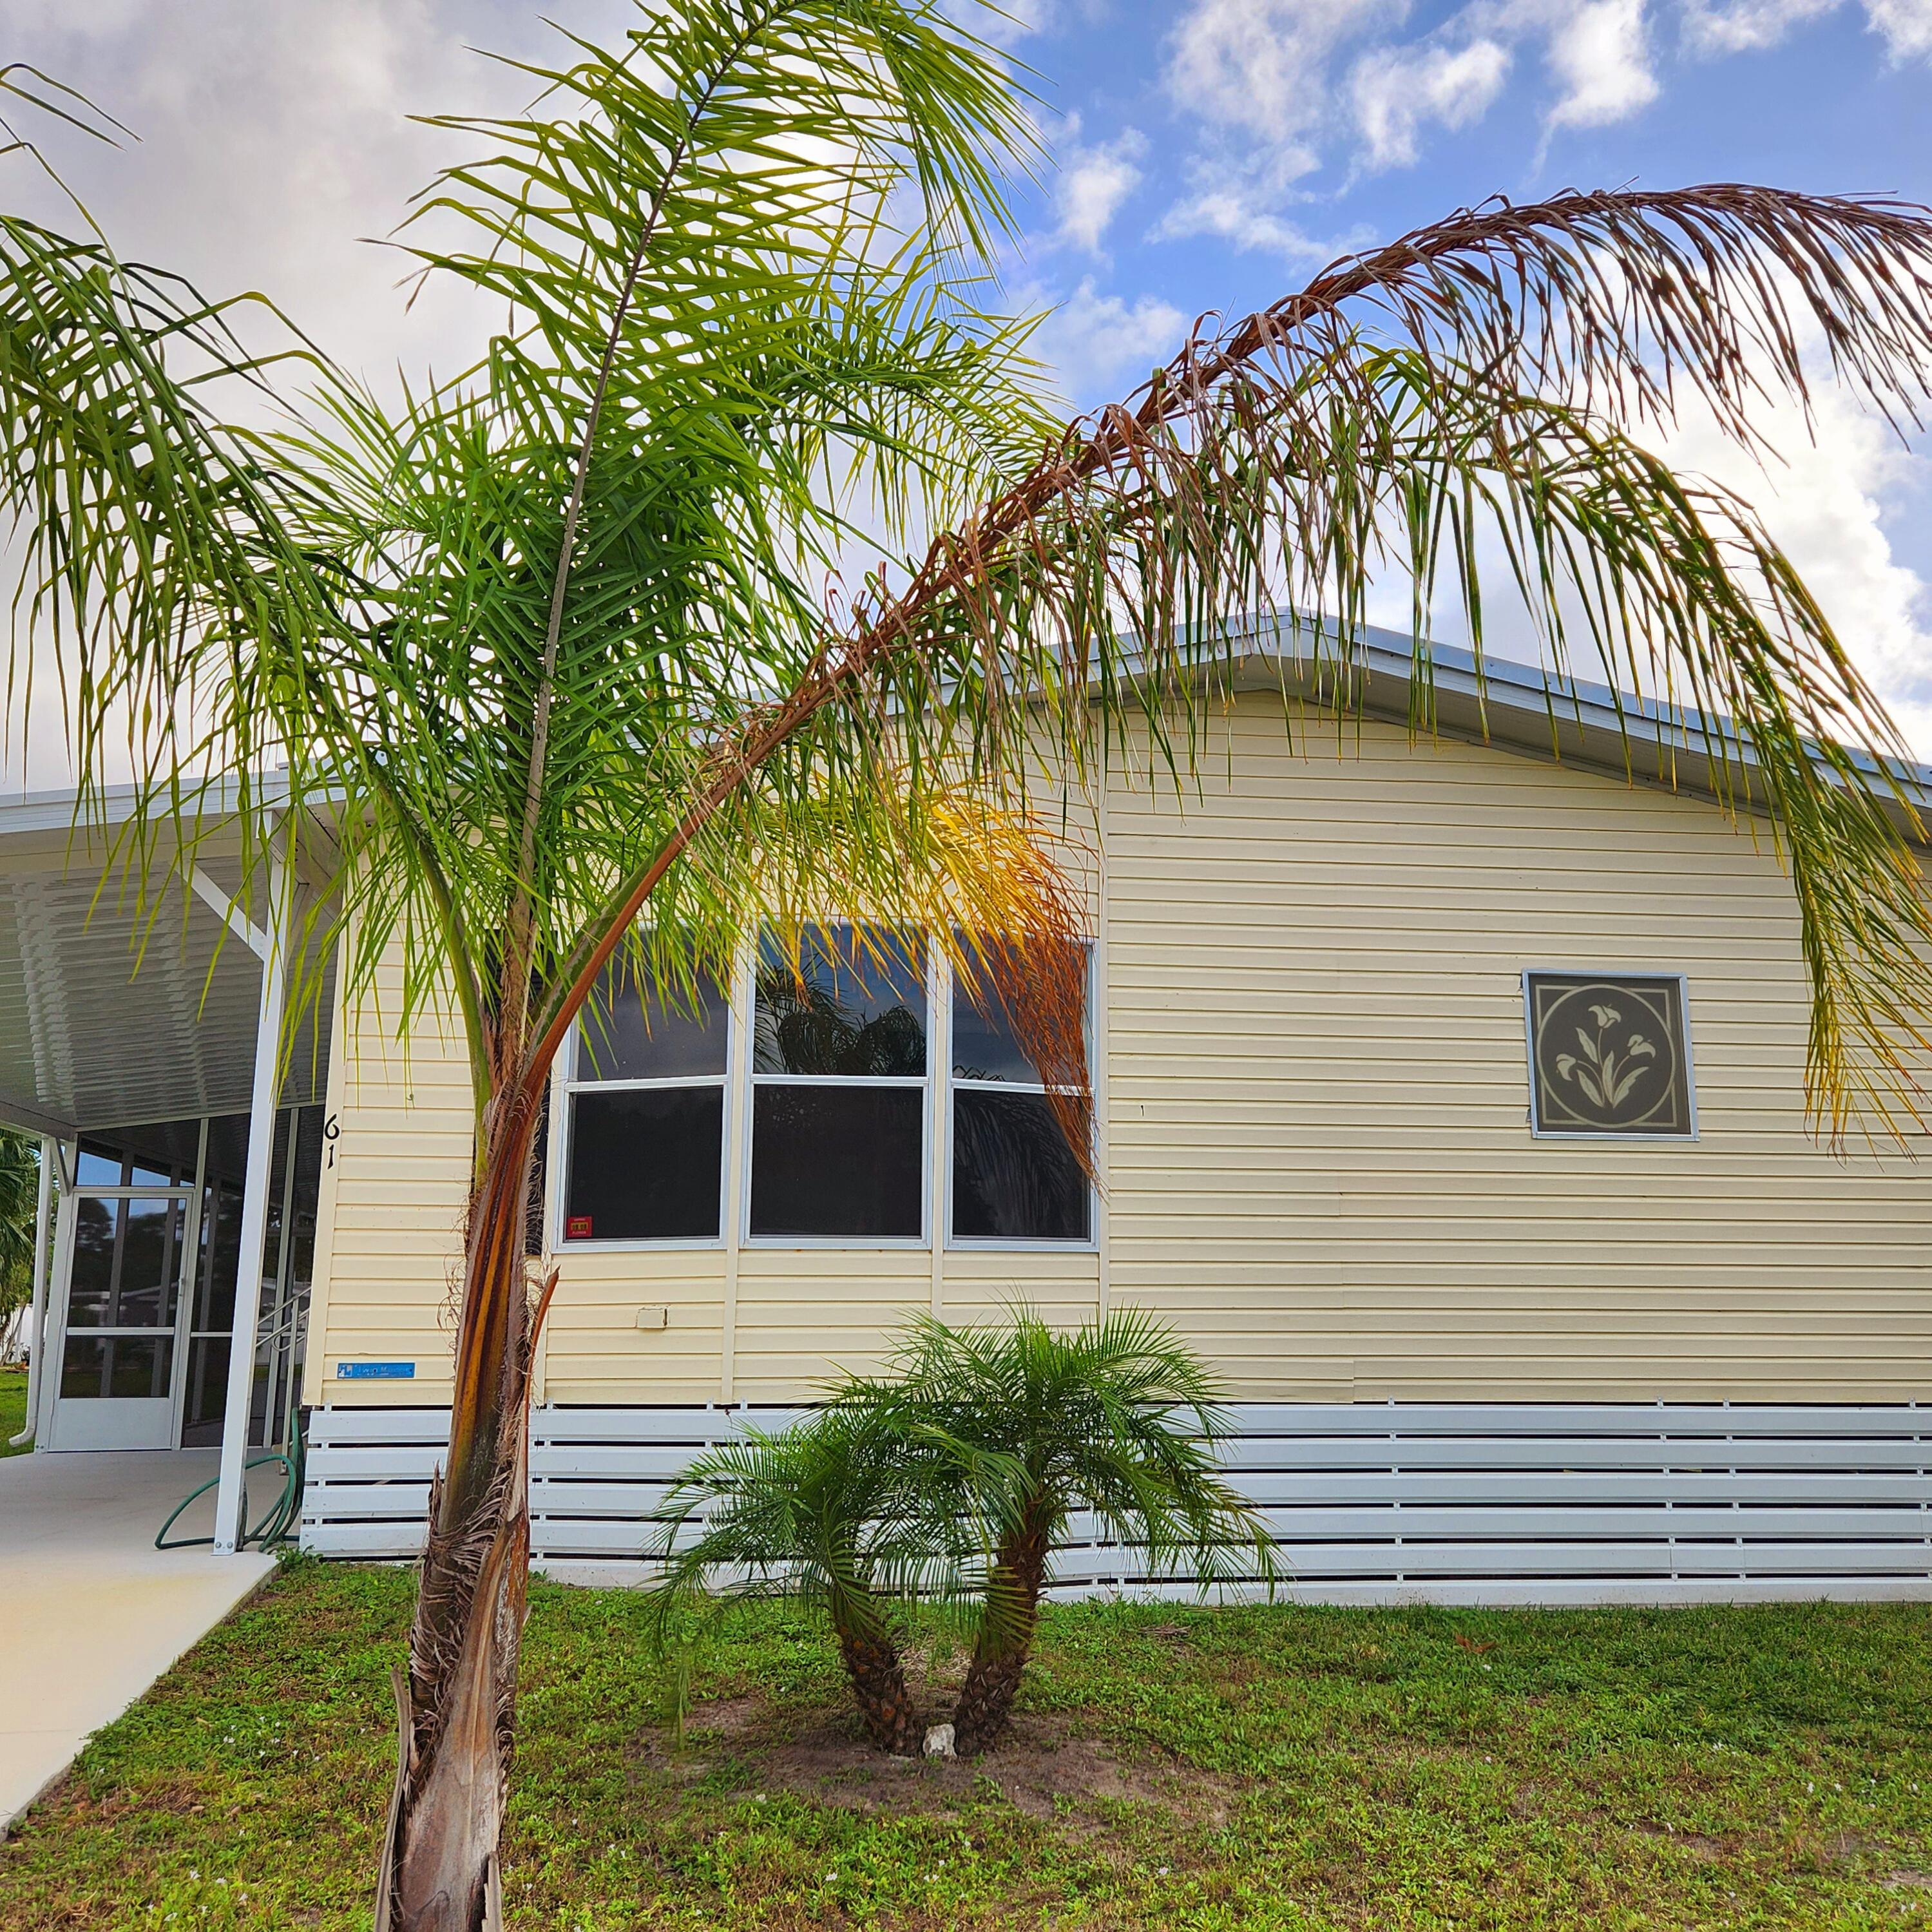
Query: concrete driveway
column 91, row 1612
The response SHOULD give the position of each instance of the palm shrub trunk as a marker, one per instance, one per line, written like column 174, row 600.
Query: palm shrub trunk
column 986, row 1706
column 834, row 1513
column 877, row 1674
column 1117, row 1417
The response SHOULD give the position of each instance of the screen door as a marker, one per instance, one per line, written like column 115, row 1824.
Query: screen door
column 128, row 1242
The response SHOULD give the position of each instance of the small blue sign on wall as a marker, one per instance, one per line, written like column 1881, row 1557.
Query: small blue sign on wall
column 375, row 1372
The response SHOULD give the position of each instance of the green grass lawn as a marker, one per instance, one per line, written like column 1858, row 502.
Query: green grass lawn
column 12, row 1408
column 1174, row 1768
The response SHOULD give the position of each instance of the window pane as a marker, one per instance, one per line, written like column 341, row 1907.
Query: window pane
column 851, row 1016
column 837, row 1161
column 645, row 1165
column 1014, row 1177
column 221, row 1257
column 98, row 1165
column 91, row 1296
column 625, row 1036
column 162, row 1154
column 83, row 1367
column 984, row 1046
column 206, row 1396
column 150, row 1251
column 278, row 1176
column 142, row 1365
column 228, row 1147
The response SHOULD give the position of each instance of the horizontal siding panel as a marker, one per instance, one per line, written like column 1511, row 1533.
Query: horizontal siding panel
column 1477, row 1503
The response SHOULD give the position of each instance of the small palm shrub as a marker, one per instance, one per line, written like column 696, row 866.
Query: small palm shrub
column 956, row 1480
column 1117, row 1418
column 841, row 1512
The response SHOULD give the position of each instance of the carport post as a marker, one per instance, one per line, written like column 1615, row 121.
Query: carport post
column 231, row 1497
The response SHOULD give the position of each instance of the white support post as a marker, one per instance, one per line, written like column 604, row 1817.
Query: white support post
column 231, row 1498
column 35, row 1333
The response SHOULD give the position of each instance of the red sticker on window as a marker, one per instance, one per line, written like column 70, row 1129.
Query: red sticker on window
column 577, row 1228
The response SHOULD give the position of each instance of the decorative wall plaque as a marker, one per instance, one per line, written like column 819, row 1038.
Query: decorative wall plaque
column 1609, row 1054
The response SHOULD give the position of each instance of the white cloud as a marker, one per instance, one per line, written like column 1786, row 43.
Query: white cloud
column 1233, row 207
column 1396, row 91
column 1747, row 26
column 274, row 139
column 1277, row 85
column 1825, row 502
column 1006, row 23
column 1260, row 68
column 1094, row 183
column 1094, row 341
column 1905, row 25
column 1600, row 52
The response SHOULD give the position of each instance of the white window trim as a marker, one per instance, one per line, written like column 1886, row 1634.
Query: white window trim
column 564, row 1110
column 936, row 1137
column 1683, row 979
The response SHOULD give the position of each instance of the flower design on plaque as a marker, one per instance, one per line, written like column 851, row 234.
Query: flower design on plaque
column 1608, row 1054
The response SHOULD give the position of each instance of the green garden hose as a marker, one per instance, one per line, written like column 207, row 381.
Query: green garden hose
column 277, row 1519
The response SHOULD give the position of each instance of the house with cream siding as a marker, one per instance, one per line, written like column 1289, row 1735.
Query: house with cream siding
column 1449, row 1100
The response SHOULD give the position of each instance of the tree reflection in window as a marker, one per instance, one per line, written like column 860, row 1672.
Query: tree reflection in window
column 1016, row 1175
column 842, row 1161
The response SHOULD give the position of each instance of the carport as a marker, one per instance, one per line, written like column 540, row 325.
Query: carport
column 141, row 998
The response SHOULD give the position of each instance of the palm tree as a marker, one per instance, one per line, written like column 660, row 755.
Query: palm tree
column 839, row 1514
column 19, row 1209
column 545, row 651
column 1118, row 1419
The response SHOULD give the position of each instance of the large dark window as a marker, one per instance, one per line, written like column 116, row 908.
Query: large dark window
column 1016, row 1175
column 646, row 1124
column 838, row 1098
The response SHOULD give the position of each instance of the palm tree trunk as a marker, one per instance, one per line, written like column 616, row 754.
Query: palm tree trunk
column 879, row 1687
column 441, row 1862
column 986, row 1706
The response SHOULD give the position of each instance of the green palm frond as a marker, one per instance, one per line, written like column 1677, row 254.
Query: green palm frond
column 838, row 1512
column 19, row 1207
column 1118, row 1418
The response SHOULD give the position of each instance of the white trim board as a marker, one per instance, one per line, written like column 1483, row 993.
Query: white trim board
column 1369, row 1502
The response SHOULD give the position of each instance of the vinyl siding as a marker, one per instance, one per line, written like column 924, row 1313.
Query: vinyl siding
column 389, row 1217
column 1321, row 1162
column 1315, row 1095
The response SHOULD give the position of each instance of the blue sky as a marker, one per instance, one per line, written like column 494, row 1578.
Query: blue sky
column 1208, row 155
column 1212, row 154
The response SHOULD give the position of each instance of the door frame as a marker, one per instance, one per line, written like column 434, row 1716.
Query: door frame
column 164, row 1410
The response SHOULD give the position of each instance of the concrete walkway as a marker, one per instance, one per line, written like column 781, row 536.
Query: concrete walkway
column 91, row 1612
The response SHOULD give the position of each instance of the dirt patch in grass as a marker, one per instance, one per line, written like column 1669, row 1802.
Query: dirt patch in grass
column 1046, row 1767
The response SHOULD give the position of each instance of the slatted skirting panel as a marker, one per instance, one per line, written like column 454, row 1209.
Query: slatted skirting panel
column 1368, row 1502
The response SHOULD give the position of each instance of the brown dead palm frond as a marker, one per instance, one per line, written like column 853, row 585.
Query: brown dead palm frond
column 1484, row 379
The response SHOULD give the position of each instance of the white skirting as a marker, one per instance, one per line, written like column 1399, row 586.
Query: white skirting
column 1369, row 1503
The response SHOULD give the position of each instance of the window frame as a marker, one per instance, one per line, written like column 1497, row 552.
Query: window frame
column 924, row 1085
column 1681, row 979
column 1034, row 1244
column 570, row 1082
